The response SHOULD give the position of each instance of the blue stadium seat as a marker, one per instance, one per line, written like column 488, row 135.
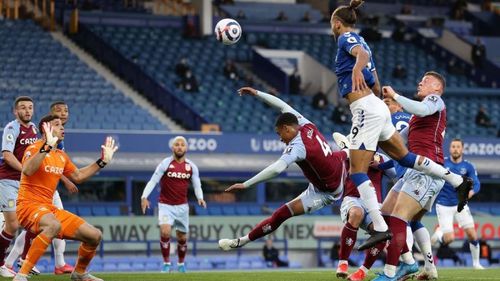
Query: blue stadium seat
column 84, row 211
column 98, row 211
column 113, row 211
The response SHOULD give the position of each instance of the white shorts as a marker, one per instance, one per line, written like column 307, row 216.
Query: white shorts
column 446, row 214
column 56, row 200
column 175, row 215
column 398, row 185
column 371, row 123
column 8, row 195
column 421, row 187
column 350, row 202
column 314, row 199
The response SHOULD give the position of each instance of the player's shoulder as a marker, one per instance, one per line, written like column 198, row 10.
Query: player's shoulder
column 350, row 37
column 37, row 144
column 12, row 125
column 468, row 163
column 190, row 162
column 435, row 98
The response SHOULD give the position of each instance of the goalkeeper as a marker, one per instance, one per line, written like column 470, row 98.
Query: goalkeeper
column 43, row 165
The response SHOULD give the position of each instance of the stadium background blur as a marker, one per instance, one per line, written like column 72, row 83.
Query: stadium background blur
column 115, row 63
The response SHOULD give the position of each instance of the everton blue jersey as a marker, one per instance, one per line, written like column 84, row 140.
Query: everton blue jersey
column 60, row 145
column 448, row 195
column 344, row 62
column 400, row 120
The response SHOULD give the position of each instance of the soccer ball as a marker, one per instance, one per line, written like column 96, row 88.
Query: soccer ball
column 228, row 31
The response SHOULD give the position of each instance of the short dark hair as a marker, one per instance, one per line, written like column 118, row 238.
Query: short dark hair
column 459, row 140
column 22, row 98
column 46, row 118
column 347, row 14
column 52, row 105
column 286, row 118
column 438, row 77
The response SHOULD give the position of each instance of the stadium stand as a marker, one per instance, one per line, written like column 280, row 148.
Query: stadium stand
column 217, row 91
column 34, row 64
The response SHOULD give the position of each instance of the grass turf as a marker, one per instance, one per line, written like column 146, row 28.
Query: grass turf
column 271, row 275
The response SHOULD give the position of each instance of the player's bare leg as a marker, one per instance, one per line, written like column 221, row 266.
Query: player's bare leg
column 396, row 149
column 181, row 251
column 165, row 231
column 360, row 161
column 286, row 211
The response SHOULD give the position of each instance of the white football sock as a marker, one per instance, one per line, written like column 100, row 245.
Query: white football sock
column 390, row 270
column 474, row 251
column 369, row 198
column 16, row 250
column 430, row 168
column 59, row 248
column 423, row 240
column 409, row 238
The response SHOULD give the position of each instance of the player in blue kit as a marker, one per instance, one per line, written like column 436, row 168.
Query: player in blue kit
column 447, row 201
column 371, row 122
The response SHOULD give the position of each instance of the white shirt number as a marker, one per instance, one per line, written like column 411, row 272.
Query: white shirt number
column 324, row 146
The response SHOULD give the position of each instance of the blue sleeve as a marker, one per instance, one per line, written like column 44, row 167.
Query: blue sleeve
column 10, row 134
column 348, row 41
column 472, row 173
column 60, row 145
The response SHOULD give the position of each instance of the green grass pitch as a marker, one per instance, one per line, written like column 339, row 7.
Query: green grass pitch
column 271, row 275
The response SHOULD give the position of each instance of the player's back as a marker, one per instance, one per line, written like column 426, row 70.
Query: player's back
column 426, row 134
column 322, row 167
column 40, row 186
column 344, row 61
column 400, row 120
column 16, row 138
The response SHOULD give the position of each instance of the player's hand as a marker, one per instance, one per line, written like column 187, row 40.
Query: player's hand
column 236, row 186
column 144, row 205
column 247, row 91
column 108, row 149
column 49, row 134
column 202, row 203
column 70, row 186
column 358, row 81
column 388, row 92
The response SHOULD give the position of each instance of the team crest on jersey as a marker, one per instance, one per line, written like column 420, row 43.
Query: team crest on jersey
column 62, row 159
column 171, row 166
column 463, row 171
column 188, row 167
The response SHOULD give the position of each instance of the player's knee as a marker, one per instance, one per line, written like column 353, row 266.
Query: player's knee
column 355, row 216
column 165, row 234
column 52, row 229
column 97, row 236
column 182, row 240
column 448, row 238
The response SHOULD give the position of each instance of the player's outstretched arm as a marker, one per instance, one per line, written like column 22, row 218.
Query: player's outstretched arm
column 430, row 105
column 195, row 179
column 269, row 172
column 272, row 101
column 107, row 151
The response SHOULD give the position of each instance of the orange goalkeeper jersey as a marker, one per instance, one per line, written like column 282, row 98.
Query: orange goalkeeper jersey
column 40, row 187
